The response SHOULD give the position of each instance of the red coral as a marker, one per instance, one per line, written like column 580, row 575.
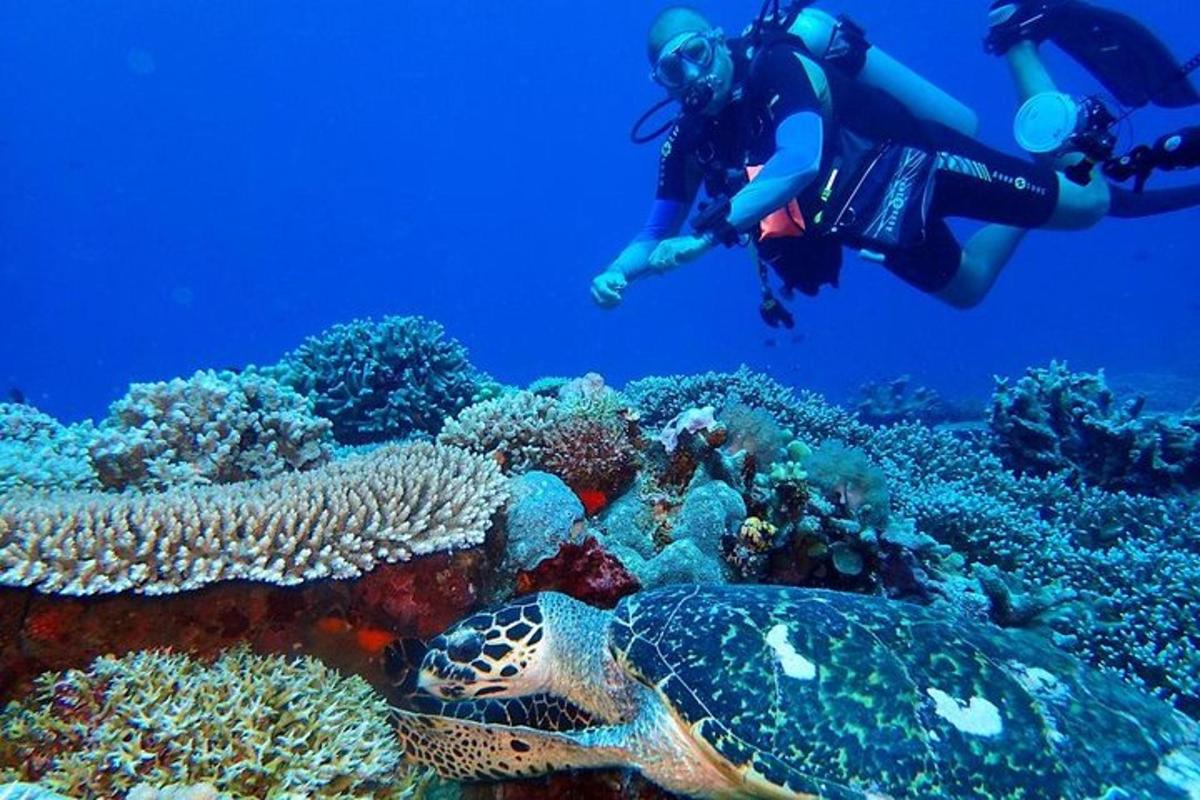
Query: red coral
column 594, row 500
column 584, row 571
column 49, row 625
column 419, row 598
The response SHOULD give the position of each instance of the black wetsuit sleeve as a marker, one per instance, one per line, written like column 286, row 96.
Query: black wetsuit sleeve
column 679, row 175
column 781, row 85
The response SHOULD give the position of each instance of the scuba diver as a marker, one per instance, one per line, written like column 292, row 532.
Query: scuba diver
column 808, row 139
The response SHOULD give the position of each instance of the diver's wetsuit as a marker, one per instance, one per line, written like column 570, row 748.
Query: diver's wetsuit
column 971, row 179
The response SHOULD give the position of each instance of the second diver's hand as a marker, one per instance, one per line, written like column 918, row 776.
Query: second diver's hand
column 607, row 288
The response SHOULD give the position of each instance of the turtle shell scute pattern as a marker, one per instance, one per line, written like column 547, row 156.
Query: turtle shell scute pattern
column 847, row 696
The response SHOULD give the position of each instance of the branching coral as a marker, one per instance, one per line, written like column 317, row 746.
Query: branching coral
column 212, row 428
column 38, row 453
column 383, row 380
column 806, row 414
column 1132, row 561
column 337, row 521
column 249, row 725
column 1055, row 420
column 513, row 427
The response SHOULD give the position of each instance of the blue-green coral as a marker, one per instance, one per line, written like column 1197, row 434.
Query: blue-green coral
column 40, row 454
column 384, row 380
column 1055, row 420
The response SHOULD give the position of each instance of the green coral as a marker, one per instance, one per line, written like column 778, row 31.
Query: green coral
column 251, row 726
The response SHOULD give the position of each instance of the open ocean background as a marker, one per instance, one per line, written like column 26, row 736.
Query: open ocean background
column 203, row 184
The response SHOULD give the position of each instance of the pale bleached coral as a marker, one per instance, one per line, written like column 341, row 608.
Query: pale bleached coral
column 215, row 427
column 338, row 521
column 513, row 427
column 249, row 726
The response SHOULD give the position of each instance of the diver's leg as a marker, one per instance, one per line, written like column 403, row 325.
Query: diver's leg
column 984, row 257
column 1079, row 207
column 1029, row 71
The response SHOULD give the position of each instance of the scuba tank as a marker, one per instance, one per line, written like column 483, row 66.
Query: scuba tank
column 840, row 42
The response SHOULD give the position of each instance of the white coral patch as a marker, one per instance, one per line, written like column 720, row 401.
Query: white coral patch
column 794, row 665
column 978, row 717
column 1181, row 770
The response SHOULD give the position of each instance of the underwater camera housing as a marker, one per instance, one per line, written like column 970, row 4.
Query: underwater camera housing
column 1052, row 122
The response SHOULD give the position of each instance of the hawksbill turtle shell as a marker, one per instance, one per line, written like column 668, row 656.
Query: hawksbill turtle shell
column 834, row 695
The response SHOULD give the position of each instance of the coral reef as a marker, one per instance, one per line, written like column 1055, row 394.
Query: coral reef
column 384, row 380
column 543, row 513
column 248, row 725
column 583, row 570
column 592, row 453
column 512, row 427
column 213, row 428
column 898, row 400
column 1054, row 420
column 38, row 453
column 806, row 414
column 338, row 521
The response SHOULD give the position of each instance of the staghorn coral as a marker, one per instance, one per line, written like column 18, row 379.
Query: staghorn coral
column 38, row 453
column 250, row 726
column 338, row 521
column 806, row 414
column 384, row 380
column 1055, row 420
column 513, row 427
column 215, row 427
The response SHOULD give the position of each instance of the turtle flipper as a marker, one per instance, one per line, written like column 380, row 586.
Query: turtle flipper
column 465, row 750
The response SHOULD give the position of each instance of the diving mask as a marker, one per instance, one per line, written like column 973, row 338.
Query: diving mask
column 684, row 59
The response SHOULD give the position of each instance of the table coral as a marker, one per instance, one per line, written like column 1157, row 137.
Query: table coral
column 338, row 521
column 251, row 726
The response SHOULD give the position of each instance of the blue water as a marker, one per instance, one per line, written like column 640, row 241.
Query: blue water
column 186, row 185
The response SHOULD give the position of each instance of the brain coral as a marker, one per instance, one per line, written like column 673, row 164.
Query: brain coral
column 215, row 427
column 248, row 725
column 383, row 380
column 337, row 521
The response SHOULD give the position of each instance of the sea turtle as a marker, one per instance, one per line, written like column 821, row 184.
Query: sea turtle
column 774, row 692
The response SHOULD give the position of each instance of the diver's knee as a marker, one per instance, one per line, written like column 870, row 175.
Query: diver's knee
column 1080, row 207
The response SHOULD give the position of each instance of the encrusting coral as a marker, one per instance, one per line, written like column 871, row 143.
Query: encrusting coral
column 383, row 380
column 250, row 726
column 215, row 427
column 337, row 521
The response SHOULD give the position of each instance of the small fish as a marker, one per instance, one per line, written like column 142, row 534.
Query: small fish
column 15, row 395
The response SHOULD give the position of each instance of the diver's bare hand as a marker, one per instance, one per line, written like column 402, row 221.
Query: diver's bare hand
column 607, row 288
column 678, row 251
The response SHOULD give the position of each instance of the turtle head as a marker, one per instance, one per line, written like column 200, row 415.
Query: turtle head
column 500, row 653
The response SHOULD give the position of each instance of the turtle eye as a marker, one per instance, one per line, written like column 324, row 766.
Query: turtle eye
column 465, row 649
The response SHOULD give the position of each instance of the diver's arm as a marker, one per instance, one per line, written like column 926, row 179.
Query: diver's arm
column 666, row 219
column 799, row 142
